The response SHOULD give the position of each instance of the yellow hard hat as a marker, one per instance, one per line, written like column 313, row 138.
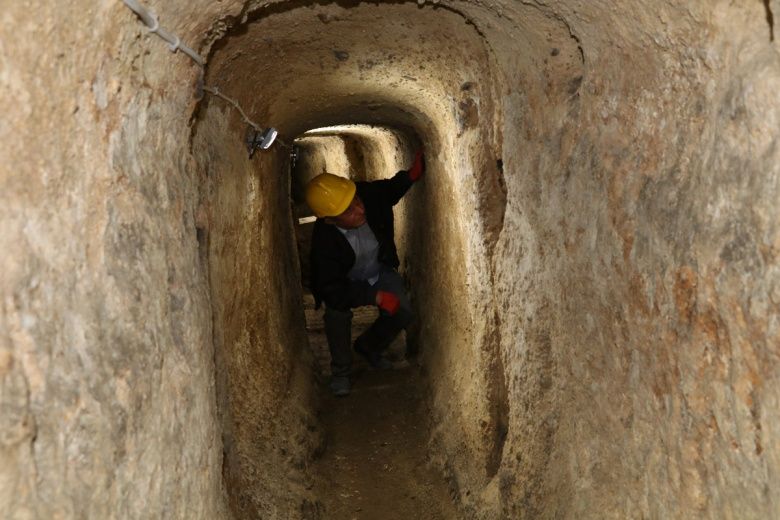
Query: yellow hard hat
column 329, row 195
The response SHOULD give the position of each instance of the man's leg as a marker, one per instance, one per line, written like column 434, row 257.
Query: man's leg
column 385, row 329
column 338, row 330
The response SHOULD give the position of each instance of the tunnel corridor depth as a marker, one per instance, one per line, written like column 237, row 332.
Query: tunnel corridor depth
column 593, row 256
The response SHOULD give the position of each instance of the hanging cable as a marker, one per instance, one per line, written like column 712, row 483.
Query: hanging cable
column 258, row 138
column 153, row 23
column 215, row 91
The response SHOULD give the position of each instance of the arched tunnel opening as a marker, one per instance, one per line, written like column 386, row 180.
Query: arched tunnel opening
column 592, row 256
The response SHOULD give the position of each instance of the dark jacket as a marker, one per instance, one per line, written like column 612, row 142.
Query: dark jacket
column 332, row 257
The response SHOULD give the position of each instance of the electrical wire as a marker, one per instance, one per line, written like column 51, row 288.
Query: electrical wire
column 153, row 23
column 175, row 44
column 215, row 91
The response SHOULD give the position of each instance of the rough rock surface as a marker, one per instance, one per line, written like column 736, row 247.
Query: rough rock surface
column 593, row 252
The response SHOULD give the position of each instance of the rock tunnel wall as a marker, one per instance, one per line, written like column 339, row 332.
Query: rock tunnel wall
column 636, row 272
column 263, row 382
column 597, row 275
column 107, row 406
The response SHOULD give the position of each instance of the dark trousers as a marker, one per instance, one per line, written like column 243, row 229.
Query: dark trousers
column 338, row 325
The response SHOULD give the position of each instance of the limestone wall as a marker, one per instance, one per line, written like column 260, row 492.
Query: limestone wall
column 637, row 270
column 262, row 365
column 593, row 253
column 107, row 406
column 110, row 404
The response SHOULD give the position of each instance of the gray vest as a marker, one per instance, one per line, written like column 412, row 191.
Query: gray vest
column 366, row 247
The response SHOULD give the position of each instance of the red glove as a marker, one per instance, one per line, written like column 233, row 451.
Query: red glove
column 388, row 302
column 418, row 166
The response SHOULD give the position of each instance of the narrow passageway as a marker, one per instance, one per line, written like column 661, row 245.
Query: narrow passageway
column 375, row 462
column 593, row 257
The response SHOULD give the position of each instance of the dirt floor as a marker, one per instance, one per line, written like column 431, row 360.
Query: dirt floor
column 375, row 463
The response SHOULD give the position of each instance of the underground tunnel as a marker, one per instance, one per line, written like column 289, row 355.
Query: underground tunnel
column 592, row 256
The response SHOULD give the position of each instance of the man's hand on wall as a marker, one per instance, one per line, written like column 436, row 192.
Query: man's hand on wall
column 418, row 166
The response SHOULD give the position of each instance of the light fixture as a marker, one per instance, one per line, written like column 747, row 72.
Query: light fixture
column 259, row 140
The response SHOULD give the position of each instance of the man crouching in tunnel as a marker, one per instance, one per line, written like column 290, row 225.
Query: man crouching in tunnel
column 353, row 263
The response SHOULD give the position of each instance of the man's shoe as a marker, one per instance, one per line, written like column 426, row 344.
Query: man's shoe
column 339, row 385
column 374, row 359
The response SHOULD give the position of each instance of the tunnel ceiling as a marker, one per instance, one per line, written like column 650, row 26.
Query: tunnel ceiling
column 317, row 65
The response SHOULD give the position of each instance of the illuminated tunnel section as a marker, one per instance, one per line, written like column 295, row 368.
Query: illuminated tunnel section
column 593, row 252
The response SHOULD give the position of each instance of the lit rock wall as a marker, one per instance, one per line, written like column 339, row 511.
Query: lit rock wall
column 594, row 253
column 107, row 401
column 261, row 355
column 636, row 273
column 133, row 382
column 320, row 154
